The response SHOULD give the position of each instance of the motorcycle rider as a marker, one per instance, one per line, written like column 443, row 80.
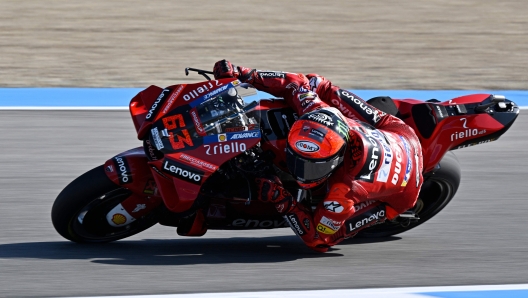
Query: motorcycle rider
column 370, row 161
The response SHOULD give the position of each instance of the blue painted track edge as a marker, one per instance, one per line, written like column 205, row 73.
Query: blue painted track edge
column 119, row 98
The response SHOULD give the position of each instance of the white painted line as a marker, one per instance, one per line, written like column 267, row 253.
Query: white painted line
column 414, row 292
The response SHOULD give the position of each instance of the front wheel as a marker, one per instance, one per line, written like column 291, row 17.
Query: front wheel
column 437, row 191
column 79, row 212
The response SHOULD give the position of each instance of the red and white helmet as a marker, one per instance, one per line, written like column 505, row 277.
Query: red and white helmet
column 316, row 146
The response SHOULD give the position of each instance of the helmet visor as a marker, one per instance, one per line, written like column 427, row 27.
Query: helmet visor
column 308, row 171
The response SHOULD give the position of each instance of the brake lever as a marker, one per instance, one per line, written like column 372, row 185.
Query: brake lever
column 199, row 71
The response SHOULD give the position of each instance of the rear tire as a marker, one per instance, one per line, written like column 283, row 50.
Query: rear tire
column 79, row 212
column 438, row 189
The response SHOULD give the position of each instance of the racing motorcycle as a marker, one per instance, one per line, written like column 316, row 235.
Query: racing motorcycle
column 204, row 143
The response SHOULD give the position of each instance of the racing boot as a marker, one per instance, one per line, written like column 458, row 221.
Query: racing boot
column 193, row 225
column 301, row 222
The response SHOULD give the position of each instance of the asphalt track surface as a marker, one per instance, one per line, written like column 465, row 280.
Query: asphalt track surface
column 480, row 238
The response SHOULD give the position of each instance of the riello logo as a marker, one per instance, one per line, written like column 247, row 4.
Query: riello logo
column 470, row 132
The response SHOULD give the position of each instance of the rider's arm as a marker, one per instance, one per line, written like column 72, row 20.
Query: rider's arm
column 293, row 87
column 351, row 105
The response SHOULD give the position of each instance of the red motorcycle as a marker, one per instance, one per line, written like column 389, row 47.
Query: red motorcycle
column 204, row 143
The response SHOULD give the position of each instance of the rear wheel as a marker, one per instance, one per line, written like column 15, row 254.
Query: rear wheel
column 437, row 191
column 79, row 212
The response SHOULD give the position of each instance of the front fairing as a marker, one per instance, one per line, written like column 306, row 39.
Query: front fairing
column 197, row 135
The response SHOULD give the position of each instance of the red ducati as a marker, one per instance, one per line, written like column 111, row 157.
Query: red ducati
column 204, row 143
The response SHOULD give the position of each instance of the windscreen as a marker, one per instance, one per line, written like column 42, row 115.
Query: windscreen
column 224, row 116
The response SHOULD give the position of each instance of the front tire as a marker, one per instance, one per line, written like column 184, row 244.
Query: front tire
column 437, row 191
column 79, row 212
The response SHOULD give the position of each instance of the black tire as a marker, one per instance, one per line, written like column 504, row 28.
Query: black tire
column 79, row 212
column 438, row 189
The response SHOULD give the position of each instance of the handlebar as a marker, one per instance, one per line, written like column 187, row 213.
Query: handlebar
column 199, row 71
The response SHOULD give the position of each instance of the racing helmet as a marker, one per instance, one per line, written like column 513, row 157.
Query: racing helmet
column 316, row 146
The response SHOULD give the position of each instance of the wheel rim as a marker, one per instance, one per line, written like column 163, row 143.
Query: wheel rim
column 90, row 223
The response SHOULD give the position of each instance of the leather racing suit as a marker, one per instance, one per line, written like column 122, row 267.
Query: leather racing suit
column 381, row 174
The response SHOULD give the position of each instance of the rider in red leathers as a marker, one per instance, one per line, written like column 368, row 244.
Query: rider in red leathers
column 371, row 160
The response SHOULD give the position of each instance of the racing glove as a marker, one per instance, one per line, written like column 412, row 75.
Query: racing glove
column 225, row 69
column 270, row 190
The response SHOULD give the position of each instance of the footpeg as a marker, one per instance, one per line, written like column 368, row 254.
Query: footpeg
column 409, row 215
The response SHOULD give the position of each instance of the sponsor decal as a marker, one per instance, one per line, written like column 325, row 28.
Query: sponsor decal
column 271, row 74
column 373, row 160
column 417, row 173
column 201, row 89
column 470, row 132
column 310, row 132
column 384, row 169
column 255, row 223
column 241, row 128
column 328, row 226
column 306, row 146
column 171, row 100
column 156, row 106
column 181, row 171
column 110, row 168
column 119, row 219
column 216, row 92
column 197, row 123
column 333, row 206
column 366, row 111
column 139, row 207
column 150, row 187
column 305, row 105
column 222, row 137
column 356, row 150
column 314, row 82
column 231, row 147
column 325, row 230
column 362, row 205
column 397, row 167
column 197, row 162
column 305, row 96
column 293, row 86
column 441, row 112
column 408, row 168
column 342, row 129
column 124, row 173
column 306, row 223
column 244, row 135
column 321, row 118
column 365, row 219
column 157, row 139
column 151, row 150
column 295, row 224
column 477, row 143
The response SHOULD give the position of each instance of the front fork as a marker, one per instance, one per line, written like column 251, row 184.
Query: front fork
column 130, row 170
